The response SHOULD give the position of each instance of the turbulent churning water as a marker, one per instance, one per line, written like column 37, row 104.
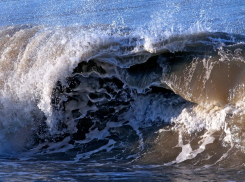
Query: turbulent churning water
column 142, row 90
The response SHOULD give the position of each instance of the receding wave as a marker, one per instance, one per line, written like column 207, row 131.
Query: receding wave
column 97, row 93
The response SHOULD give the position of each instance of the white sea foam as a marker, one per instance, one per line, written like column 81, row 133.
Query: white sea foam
column 48, row 55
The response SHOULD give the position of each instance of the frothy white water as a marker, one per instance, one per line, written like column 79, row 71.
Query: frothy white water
column 35, row 60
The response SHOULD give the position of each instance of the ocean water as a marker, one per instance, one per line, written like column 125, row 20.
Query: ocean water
column 122, row 90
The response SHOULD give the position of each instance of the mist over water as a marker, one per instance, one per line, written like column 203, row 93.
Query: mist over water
column 142, row 90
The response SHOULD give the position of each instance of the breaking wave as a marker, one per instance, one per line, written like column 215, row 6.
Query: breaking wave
column 114, row 93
